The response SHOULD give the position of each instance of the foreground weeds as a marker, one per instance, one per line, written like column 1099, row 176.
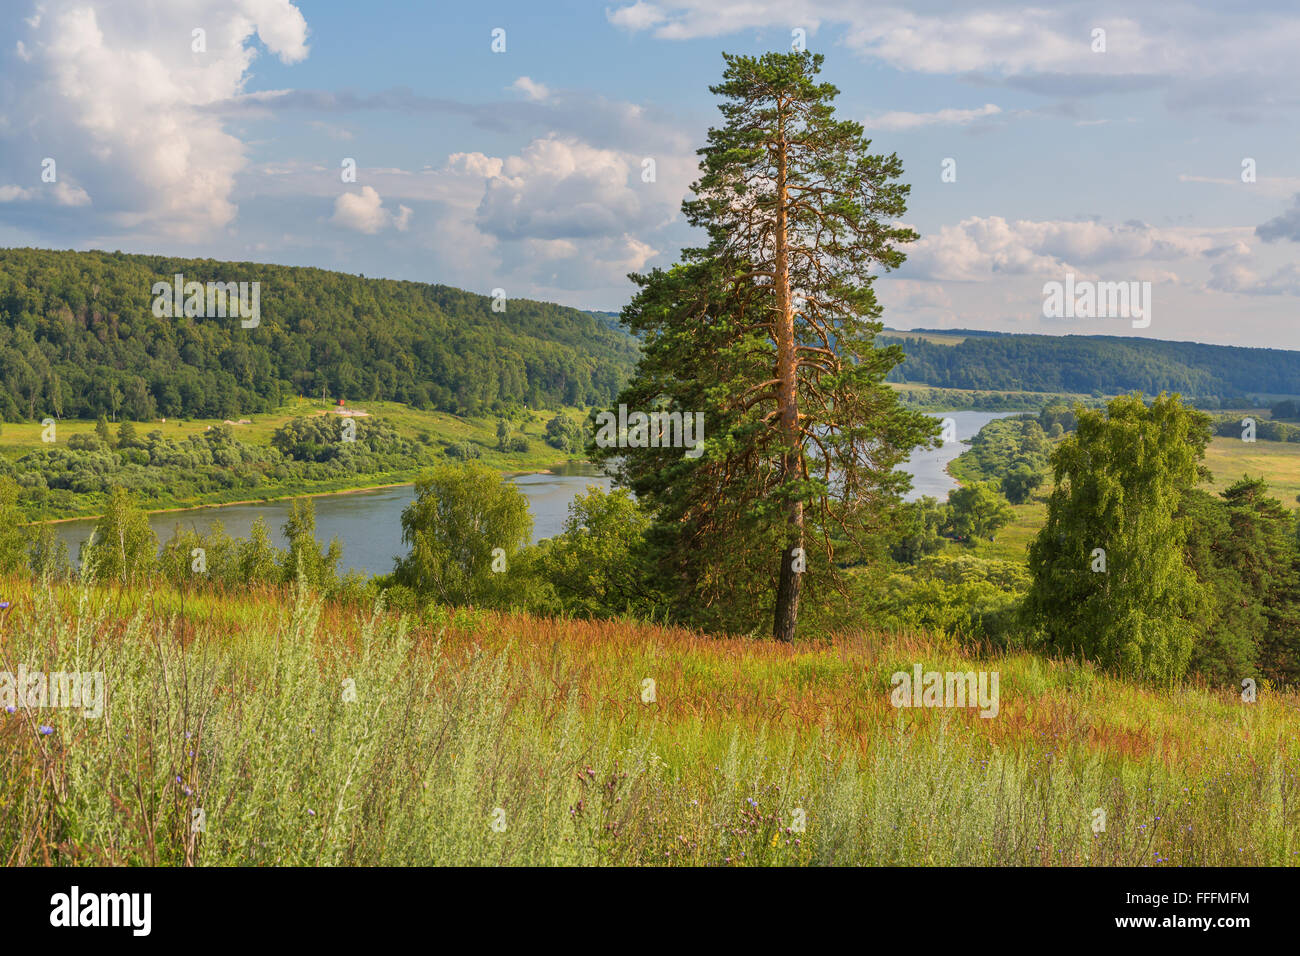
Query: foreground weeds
column 265, row 729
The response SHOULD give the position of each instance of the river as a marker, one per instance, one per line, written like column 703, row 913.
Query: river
column 368, row 523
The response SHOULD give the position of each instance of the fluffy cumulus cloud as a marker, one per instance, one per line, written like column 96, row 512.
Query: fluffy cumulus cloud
column 562, row 212
column 1233, row 270
column 115, row 92
column 980, row 248
column 365, row 212
column 564, row 189
column 60, row 193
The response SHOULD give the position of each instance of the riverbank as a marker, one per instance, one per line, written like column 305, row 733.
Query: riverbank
column 320, row 492
column 366, row 521
column 75, row 464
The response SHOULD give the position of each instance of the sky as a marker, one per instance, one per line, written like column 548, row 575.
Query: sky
column 505, row 145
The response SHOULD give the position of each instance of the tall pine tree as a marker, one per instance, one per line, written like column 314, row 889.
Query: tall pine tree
column 769, row 330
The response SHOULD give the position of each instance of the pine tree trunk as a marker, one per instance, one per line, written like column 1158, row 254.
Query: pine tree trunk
column 787, row 589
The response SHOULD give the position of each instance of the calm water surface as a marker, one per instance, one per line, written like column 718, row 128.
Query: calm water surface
column 927, row 466
column 368, row 523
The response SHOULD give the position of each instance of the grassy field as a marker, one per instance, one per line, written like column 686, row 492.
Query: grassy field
column 427, row 428
column 19, row 438
column 1012, row 542
column 1277, row 462
column 495, row 739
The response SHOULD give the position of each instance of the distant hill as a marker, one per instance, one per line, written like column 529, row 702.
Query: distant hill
column 79, row 338
column 610, row 320
column 1211, row 375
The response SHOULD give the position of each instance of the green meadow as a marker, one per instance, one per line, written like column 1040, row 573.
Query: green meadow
column 268, row 728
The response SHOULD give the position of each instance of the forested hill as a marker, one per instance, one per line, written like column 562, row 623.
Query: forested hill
column 1105, row 363
column 79, row 338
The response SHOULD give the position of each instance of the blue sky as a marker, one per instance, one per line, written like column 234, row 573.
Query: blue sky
column 521, row 169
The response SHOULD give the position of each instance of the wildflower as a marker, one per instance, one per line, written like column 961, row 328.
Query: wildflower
column 46, row 731
column 10, row 709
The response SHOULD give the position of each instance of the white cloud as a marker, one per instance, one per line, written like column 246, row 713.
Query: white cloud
column 565, row 189
column 119, row 84
column 1233, row 275
column 1206, row 55
column 365, row 212
column 896, row 120
column 979, row 248
column 533, row 90
column 638, row 16
column 60, row 192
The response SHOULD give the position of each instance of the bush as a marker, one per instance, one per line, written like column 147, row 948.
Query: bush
column 977, row 511
column 1019, row 483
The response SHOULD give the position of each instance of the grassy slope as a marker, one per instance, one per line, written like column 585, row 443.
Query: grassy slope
column 236, row 708
column 1278, row 462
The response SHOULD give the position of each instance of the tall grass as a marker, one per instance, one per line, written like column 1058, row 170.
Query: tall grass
column 481, row 738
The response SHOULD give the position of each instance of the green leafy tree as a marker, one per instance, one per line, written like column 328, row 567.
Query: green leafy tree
column 123, row 547
column 1021, row 482
column 769, row 333
column 258, row 560
column 460, row 516
column 977, row 511
column 48, row 553
column 1241, row 548
column 921, row 524
column 305, row 560
column 563, row 432
column 216, row 565
column 597, row 566
column 102, row 432
column 1109, row 579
